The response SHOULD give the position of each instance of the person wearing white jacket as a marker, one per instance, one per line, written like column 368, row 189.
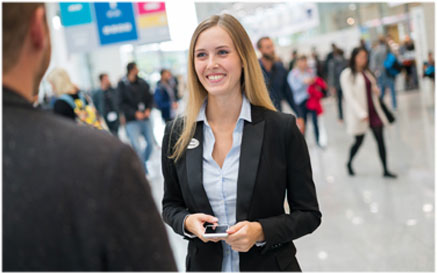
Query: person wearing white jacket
column 363, row 109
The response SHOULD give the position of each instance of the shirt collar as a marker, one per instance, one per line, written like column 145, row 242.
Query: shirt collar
column 245, row 112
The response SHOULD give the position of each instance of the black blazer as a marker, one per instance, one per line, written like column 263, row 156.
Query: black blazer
column 274, row 162
column 74, row 198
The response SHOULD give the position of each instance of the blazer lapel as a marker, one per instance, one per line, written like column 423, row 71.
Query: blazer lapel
column 194, row 162
column 251, row 144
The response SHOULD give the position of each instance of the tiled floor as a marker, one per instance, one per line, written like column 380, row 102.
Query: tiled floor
column 369, row 223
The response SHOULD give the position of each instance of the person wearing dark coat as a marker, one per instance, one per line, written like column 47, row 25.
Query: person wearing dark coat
column 74, row 198
column 166, row 95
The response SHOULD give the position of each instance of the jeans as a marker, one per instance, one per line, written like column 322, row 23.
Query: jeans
column 136, row 128
column 304, row 111
column 385, row 81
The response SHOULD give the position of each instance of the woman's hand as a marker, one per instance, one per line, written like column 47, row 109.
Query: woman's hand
column 243, row 235
column 194, row 224
column 376, row 90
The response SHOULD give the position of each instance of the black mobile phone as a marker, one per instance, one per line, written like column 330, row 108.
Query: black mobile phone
column 216, row 232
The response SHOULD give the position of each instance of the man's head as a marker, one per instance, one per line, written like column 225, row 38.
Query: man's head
column 104, row 81
column 333, row 46
column 266, row 48
column 26, row 45
column 165, row 75
column 132, row 69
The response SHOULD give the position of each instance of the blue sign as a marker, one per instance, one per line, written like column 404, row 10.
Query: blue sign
column 115, row 22
column 75, row 14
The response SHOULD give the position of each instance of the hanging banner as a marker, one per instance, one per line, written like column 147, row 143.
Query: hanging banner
column 75, row 14
column 115, row 22
column 152, row 22
column 90, row 26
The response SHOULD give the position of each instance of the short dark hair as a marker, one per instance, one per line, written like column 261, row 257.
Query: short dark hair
column 130, row 66
column 16, row 20
column 163, row 71
column 260, row 40
column 102, row 75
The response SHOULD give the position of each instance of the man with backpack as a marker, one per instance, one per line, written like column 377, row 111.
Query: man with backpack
column 386, row 67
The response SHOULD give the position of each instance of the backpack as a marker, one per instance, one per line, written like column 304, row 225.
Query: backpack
column 85, row 112
column 392, row 65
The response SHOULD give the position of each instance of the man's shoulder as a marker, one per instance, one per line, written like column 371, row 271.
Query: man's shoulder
column 53, row 131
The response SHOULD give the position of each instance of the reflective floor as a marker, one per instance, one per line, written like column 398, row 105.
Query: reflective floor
column 369, row 223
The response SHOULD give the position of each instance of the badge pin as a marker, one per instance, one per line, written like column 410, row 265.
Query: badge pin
column 193, row 143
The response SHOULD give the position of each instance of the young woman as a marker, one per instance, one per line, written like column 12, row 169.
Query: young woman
column 232, row 159
column 363, row 109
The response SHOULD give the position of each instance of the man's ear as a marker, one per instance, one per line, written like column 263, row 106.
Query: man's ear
column 37, row 28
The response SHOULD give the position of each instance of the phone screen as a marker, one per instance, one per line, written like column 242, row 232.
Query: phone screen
column 217, row 229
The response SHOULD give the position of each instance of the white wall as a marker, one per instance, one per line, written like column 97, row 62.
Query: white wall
column 345, row 39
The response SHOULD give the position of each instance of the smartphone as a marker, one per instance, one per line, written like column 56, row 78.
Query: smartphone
column 216, row 232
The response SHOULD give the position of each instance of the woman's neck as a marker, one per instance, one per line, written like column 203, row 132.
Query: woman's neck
column 359, row 69
column 224, row 110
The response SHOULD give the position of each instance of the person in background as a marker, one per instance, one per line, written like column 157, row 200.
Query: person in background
column 232, row 159
column 363, row 109
column 315, row 64
column 293, row 60
column 275, row 76
column 328, row 58
column 408, row 55
column 136, row 104
column 384, row 78
column 335, row 67
column 71, row 102
column 300, row 78
column 106, row 101
column 429, row 67
column 74, row 198
column 166, row 95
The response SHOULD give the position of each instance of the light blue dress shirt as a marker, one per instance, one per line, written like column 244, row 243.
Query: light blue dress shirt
column 298, row 87
column 221, row 183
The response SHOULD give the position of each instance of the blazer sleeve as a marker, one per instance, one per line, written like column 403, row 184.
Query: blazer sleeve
column 133, row 236
column 304, row 216
column 174, row 209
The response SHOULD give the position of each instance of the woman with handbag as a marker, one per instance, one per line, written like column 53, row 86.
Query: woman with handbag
column 363, row 108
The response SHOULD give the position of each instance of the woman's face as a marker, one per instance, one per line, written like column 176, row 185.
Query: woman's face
column 361, row 59
column 217, row 63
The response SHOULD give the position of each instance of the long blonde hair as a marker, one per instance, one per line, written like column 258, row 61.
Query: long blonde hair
column 253, row 84
column 60, row 81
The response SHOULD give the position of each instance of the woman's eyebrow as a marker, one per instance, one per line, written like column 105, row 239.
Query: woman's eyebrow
column 218, row 47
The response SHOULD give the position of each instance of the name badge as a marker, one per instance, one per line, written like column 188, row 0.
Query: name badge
column 193, row 143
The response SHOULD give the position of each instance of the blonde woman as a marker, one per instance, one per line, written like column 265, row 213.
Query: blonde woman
column 232, row 159
column 72, row 103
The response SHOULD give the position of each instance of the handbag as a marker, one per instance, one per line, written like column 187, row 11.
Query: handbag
column 387, row 112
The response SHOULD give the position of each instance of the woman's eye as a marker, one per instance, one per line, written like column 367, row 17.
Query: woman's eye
column 200, row 55
column 223, row 52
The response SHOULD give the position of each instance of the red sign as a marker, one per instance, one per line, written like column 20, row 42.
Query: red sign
column 145, row 8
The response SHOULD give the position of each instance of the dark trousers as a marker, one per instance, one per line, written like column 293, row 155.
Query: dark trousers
column 304, row 111
column 379, row 137
column 340, row 103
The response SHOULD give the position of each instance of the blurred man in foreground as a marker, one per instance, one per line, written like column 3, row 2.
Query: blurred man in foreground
column 74, row 198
